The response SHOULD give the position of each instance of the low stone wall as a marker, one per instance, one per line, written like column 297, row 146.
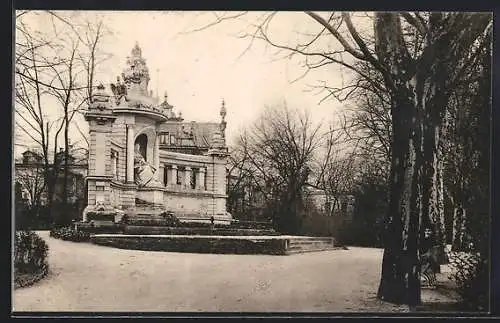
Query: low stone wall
column 140, row 229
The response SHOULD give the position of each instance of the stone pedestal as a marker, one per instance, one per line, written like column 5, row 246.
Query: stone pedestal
column 151, row 195
column 157, row 196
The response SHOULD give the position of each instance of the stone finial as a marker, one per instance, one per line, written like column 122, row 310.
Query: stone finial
column 136, row 51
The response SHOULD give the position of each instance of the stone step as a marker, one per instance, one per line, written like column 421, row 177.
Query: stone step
column 301, row 242
column 290, row 252
column 310, row 244
column 311, row 247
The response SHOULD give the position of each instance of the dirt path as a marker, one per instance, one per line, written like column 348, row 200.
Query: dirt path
column 86, row 277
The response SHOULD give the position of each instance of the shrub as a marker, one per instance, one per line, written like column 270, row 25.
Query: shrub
column 170, row 219
column 30, row 253
column 69, row 234
column 470, row 272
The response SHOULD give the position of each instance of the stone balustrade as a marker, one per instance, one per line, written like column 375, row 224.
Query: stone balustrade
column 184, row 177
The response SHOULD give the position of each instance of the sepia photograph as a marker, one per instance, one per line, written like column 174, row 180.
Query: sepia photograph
column 236, row 162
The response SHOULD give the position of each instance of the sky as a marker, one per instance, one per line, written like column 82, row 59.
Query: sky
column 199, row 69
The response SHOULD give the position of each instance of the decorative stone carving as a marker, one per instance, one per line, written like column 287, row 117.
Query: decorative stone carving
column 100, row 211
column 119, row 90
column 136, row 76
column 100, row 99
column 144, row 173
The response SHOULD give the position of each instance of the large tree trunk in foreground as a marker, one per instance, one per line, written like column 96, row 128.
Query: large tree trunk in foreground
column 400, row 279
column 420, row 91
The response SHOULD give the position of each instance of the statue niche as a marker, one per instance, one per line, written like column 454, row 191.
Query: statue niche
column 144, row 173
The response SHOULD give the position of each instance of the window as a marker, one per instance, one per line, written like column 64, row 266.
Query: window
column 114, row 164
column 172, row 139
column 164, row 138
column 180, row 170
column 193, row 178
column 205, row 180
column 165, row 175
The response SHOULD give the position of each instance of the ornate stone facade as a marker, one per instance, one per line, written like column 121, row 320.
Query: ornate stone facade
column 143, row 153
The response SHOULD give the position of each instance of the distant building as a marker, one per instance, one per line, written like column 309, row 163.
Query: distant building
column 29, row 176
column 330, row 205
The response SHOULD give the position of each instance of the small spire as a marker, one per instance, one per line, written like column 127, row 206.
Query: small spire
column 223, row 109
column 223, row 121
column 136, row 51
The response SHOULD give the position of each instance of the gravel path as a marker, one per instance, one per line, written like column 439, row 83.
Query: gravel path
column 86, row 277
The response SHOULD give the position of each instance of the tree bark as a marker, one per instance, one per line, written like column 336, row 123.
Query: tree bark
column 397, row 259
column 400, row 279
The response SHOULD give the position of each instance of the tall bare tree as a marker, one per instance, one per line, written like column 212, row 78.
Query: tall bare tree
column 278, row 150
column 420, row 57
column 54, row 68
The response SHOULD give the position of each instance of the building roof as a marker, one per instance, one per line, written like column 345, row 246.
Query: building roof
column 200, row 134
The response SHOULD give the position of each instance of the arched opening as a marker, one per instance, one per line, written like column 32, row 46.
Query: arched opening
column 141, row 143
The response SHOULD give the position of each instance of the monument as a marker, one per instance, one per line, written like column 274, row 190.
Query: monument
column 145, row 159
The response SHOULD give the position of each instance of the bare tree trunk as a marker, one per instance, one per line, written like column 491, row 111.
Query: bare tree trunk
column 396, row 260
column 459, row 228
column 65, row 207
column 436, row 209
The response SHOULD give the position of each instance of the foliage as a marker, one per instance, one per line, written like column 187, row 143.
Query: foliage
column 370, row 211
column 212, row 245
column 63, row 214
column 70, row 234
column 170, row 219
column 30, row 253
column 471, row 273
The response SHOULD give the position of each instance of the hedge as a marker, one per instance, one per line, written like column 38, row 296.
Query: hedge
column 204, row 245
column 30, row 258
column 69, row 234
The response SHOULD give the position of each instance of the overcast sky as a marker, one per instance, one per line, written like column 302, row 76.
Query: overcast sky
column 200, row 69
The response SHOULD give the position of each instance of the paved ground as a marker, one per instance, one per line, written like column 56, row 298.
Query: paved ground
column 86, row 277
